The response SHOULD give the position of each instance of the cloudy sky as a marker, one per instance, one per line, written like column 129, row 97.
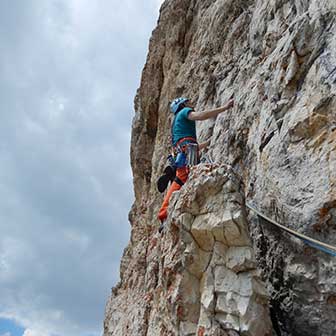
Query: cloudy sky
column 69, row 70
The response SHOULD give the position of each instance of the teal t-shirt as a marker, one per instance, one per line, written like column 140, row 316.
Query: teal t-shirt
column 183, row 127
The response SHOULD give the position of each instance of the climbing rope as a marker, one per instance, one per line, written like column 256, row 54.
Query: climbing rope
column 310, row 241
column 236, row 178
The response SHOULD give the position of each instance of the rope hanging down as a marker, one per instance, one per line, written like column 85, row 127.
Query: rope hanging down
column 310, row 241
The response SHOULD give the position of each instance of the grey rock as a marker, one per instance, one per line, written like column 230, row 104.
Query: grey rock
column 278, row 57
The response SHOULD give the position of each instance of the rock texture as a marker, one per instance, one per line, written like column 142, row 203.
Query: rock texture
column 201, row 273
column 278, row 58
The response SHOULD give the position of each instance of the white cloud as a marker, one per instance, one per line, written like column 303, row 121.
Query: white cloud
column 68, row 74
column 29, row 332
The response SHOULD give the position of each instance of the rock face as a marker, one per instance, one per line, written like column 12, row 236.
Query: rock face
column 201, row 275
column 278, row 58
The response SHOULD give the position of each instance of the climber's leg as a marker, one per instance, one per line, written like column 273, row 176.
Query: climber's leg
column 182, row 174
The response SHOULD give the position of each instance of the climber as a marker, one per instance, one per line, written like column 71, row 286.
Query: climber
column 183, row 135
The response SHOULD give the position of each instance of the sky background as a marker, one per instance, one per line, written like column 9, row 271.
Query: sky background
column 69, row 70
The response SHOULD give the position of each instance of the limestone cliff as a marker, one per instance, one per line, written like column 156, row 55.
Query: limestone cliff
column 207, row 274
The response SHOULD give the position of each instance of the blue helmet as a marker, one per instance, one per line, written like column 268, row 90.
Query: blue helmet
column 176, row 103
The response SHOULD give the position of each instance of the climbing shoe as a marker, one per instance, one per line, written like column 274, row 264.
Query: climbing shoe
column 161, row 227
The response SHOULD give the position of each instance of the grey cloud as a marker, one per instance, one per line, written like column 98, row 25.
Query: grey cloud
column 69, row 71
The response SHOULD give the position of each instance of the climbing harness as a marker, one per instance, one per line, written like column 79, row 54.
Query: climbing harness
column 180, row 146
column 310, row 241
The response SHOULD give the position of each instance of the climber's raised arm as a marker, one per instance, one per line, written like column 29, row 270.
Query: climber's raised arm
column 210, row 113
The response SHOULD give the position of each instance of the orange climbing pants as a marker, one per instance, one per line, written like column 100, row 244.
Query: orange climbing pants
column 182, row 174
